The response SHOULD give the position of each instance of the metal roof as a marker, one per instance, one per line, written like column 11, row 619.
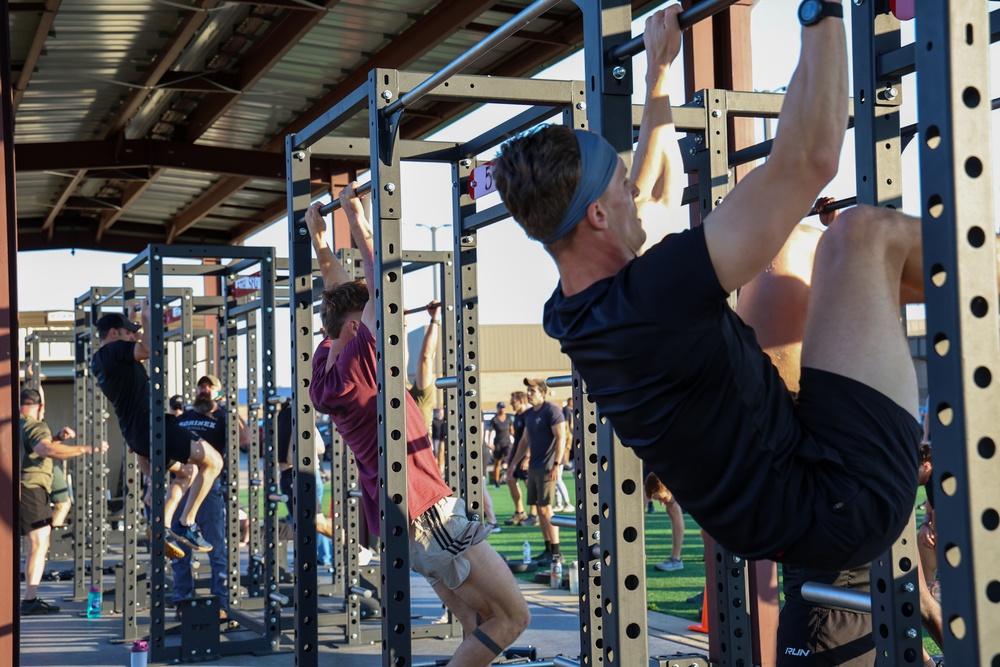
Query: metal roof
column 143, row 121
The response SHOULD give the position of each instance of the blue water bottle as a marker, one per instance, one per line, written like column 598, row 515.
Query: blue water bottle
column 94, row 603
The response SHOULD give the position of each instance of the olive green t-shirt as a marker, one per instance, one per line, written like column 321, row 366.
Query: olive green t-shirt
column 36, row 471
column 424, row 398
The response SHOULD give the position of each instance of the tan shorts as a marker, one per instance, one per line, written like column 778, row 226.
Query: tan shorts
column 439, row 539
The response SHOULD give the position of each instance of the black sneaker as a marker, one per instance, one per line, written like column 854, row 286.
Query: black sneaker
column 37, row 607
column 544, row 558
column 190, row 536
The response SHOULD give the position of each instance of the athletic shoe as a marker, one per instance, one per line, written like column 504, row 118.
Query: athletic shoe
column 493, row 527
column 696, row 599
column 37, row 607
column 174, row 550
column 544, row 558
column 190, row 536
column 516, row 519
column 530, row 521
column 670, row 565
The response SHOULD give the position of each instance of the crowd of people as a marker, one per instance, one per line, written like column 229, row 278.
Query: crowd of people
column 786, row 428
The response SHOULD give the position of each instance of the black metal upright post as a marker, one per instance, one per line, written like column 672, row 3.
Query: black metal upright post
column 606, row 25
column 303, row 419
column 960, row 277
column 390, row 341
column 877, row 102
column 81, row 465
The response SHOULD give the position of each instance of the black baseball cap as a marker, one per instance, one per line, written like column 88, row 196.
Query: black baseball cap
column 115, row 321
column 176, row 402
column 31, row 397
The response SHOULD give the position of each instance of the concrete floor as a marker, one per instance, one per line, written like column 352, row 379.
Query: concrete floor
column 69, row 640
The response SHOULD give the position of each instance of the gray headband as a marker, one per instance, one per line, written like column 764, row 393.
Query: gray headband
column 598, row 161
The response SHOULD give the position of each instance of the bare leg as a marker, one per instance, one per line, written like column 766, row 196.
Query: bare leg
column 515, row 494
column 209, row 464
column 491, row 594
column 36, row 549
column 488, row 506
column 852, row 324
column 61, row 512
column 676, row 529
column 549, row 532
column 183, row 477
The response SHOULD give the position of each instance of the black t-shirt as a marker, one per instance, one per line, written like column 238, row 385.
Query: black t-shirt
column 439, row 429
column 684, row 383
column 518, row 427
column 124, row 381
column 284, row 434
column 211, row 427
column 501, row 431
column 538, row 423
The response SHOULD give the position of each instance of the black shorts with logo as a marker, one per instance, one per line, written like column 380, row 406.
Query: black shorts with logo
column 179, row 441
column 36, row 512
column 816, row 636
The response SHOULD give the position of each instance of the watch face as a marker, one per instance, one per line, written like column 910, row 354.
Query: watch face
column 809, row 11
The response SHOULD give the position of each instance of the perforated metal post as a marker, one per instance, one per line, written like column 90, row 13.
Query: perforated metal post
column 961, row 295
column 80, row 464
column 303, row 419
column 390, row 341
column 877, row 102
column 229, row 478
column 588, row 538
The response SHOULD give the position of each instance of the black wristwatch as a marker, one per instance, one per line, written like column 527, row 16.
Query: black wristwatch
column 812, row 12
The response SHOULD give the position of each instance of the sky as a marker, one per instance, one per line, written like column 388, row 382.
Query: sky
column 515, row 274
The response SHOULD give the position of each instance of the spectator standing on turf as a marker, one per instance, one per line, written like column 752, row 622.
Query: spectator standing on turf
column 447, row 547
column 499, row 439
column 545, row 438
column 519, row 404
column 38, row 450
column 117, row 366
column 657, row 492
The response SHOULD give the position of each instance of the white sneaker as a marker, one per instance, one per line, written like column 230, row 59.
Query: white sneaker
column 670, row 565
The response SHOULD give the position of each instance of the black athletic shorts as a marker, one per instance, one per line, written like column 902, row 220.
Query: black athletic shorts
column 36, row 512
column 816, row 636
column 810, row 636
column 864, row 491
column 179, row 441
column 501, row 453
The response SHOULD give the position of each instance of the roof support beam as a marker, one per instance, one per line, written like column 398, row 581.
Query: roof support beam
column 440, row 23
column 35, row 50
column 188, row 27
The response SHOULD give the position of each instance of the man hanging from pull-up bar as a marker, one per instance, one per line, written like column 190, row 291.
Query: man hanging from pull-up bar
column 117, row 365
column 445, row 546
column 825, row 479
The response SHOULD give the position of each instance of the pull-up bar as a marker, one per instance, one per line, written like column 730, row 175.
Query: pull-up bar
column 529, row 14
column 687, row 18
column 327, row 209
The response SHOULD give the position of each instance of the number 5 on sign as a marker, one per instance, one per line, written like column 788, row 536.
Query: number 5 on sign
column 481, row 183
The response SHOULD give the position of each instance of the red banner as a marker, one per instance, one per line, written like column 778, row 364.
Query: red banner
column 246, row 285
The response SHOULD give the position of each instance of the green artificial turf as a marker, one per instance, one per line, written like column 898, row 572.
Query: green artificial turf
column 666, row 592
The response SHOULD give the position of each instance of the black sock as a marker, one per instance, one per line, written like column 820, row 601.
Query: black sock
column 548, row 546
column 555, row 549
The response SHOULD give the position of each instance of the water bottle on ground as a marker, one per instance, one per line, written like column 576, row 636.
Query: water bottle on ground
column 555, row 580
column 140, row 653
column 526, row 552
column 94, row 603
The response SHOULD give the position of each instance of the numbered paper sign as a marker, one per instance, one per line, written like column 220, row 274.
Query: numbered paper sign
column 481, row 183
column 246, row 285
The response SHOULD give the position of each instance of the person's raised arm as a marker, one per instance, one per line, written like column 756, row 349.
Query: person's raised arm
column 425, row 364
column 657, row 167
column 333, row 271
column 141, row 350
column 750, row 226
column 361, row 231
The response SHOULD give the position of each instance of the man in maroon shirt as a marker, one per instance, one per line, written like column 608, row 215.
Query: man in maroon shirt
column 445, row 546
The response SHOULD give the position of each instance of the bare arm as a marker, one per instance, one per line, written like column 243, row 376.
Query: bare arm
column 519, row 453
column 425, row 364
column 657, row 167
column 53, row 449
column 930, row 610
column 361, row 231
column 333, row 271
column 559, row 436
column 141, row 349
column 749, row 228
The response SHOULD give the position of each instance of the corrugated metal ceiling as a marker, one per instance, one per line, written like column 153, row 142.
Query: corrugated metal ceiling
column 225, row 74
